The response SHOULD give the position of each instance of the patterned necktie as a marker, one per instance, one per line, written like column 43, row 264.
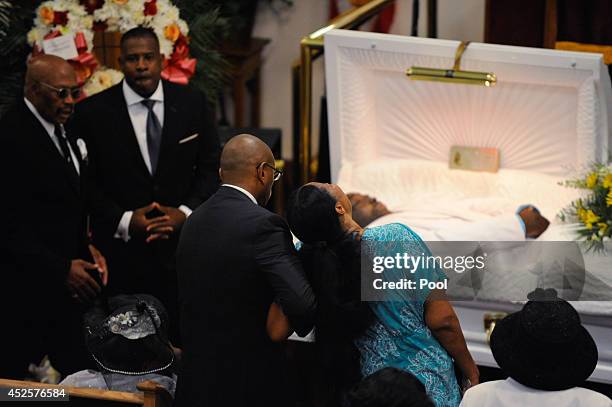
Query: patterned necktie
column 154, row 131
column 59, row 134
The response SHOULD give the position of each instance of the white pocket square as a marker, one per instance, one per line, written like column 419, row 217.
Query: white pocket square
column 186, row 139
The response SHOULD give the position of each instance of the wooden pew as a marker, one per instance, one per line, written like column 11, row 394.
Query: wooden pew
column 153, row 395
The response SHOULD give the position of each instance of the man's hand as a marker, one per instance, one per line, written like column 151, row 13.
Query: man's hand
column 164, row 226
column 535, row 223
column 100, row 262
column 139, row 223
column 80, row 284
column 277, row 324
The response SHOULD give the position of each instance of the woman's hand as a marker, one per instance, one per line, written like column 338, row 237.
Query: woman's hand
column 443, row 323
column 471, row 378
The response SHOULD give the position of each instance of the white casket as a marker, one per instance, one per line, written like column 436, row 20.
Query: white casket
column 549, row 115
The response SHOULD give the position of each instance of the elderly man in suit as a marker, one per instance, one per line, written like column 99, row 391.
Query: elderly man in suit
column 235, row 259
column 46, row 275
column 154, row 156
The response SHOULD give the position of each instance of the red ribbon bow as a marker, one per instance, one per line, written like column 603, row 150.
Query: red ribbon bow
column 85, row 62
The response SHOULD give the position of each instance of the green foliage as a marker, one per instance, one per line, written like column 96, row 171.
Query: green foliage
column 16, row 19
column 206, row 28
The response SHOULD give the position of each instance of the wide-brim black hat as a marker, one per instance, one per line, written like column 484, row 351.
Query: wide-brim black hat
column 128, row 335
column 544, row 346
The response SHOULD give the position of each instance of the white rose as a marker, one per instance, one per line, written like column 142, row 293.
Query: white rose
column 183, row 26
column 82, row 148
column 165, row 46
column 87, row 22
column 33, row 36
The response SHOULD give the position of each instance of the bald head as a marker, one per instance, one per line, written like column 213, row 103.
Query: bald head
column 242, row 154
column 242, row 165
column 48, row 68
column 44, row 73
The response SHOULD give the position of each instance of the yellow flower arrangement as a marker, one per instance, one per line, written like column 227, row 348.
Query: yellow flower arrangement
column 607, row 182
column 591, row 181
column 593, row 212
column 590, row 218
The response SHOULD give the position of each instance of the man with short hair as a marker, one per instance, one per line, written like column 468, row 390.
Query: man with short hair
column 46, row 272
column 234, row 259
column 154, row 154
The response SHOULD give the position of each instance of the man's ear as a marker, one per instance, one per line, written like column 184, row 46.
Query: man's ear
column 221, row 174
column 261, row 173
column 340, row 210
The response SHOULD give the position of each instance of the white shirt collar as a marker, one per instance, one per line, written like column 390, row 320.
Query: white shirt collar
column 244, row 191
column 132, row 98
column 50, row 127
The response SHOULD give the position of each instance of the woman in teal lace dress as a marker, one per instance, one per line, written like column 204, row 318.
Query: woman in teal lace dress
column 408, row 329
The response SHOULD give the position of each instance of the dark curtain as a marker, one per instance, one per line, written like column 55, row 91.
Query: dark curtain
column 588, row 22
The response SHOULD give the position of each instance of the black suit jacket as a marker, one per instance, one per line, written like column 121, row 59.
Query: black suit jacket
column 43, row 207
column 234, row 258
column 187, row 173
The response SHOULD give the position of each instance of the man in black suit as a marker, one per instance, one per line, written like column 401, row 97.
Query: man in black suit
column 45, row 277
column 154, row 156
column 234, row 259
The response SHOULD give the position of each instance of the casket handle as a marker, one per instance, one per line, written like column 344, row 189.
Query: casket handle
column 490, row 319
column 459, row 53
column 455, row 75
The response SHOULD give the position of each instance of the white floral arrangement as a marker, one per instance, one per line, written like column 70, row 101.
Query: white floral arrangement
column 67, row 17
column 80, row 18
column 102, row 79
column 159, row 15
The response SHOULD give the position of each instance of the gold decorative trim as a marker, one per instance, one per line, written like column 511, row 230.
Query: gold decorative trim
column 311, row 47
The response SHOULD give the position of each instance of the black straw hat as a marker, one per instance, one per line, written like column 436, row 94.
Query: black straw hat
column 544, row 346
column 128, row 335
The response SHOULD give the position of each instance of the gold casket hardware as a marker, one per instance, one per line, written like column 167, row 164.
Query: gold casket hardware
column 455, row 75
column 490, row 319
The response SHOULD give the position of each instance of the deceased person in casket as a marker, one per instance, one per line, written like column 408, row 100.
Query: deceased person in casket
column 367, row 210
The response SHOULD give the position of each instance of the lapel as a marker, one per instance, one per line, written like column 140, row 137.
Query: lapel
column 125, row 130
column 171, row 124
column 54, row 157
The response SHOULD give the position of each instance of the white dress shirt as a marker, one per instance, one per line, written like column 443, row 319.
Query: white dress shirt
column 50, row 128
column 244, row 191
column 138, row 116
column 510, row 393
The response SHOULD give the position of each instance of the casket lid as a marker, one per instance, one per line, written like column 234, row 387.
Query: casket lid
column 550, row 110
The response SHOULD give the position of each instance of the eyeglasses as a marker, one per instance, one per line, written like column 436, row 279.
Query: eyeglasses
column 277, row 173
column 63, row 93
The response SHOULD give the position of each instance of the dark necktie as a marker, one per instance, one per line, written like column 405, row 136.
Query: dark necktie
column 154, row 131
column 59, row 134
